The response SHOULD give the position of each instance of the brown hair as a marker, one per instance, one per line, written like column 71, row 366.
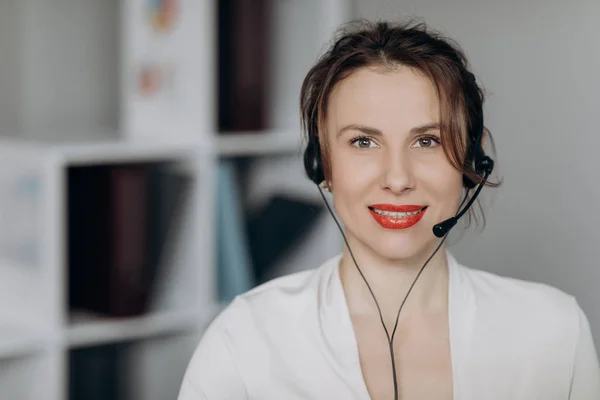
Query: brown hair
column 385, row 45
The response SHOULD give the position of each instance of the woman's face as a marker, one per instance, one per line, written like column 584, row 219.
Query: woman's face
column 391, row 180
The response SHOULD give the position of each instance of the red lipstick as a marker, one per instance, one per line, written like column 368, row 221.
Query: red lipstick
column 397, row 221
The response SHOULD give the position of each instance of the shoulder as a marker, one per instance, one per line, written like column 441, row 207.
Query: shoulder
column 534, row 316
column 232, row 354
column 519, row 296
column 540, row 325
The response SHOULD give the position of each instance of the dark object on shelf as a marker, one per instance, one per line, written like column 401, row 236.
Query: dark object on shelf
column 243, row 64
column 169, row 191
column 118, row 220
column 276, row 228
column 95, row 373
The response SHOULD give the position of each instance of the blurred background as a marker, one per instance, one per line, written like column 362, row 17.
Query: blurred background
column 150, row 169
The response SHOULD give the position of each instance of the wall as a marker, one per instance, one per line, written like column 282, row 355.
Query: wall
column 70, row 66
column 539, row 62
column 303, row 28
column 10, row 67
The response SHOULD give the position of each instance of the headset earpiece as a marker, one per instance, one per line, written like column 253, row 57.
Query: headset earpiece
column 312, row 160
column 476, row 156
column 468, row 182
column 484, row 165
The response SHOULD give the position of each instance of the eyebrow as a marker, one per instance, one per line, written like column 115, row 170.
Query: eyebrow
column 418, row 130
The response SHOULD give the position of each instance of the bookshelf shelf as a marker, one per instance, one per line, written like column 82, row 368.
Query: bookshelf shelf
column 99, row 149
column 86, row 329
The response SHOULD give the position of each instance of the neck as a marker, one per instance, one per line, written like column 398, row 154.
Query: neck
column 390, row 281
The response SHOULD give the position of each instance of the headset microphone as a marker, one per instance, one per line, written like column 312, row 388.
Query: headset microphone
column 485, row 165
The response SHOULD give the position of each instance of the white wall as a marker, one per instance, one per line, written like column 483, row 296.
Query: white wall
column 71, row 64
column 59, row 66
column 9, row 65
column 302, row 30
column 539, row 61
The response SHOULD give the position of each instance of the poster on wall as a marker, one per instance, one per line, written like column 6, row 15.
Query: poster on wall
column 167, row 68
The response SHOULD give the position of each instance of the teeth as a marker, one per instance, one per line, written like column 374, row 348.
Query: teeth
column 396, row 214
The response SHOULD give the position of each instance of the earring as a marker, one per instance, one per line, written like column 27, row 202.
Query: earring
column 325, row 186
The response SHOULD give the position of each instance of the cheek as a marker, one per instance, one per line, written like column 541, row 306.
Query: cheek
column 351, row 173
column 353, row 181
column 443, row 183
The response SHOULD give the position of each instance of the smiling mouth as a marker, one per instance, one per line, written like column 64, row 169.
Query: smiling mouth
column 390, row 217
column 396, row 214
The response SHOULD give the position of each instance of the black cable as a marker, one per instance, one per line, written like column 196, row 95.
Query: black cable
column 390, row 339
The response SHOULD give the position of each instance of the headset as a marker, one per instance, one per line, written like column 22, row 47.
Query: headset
column 483, row 166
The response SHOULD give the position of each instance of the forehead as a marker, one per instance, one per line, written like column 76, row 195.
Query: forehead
column 397, row 99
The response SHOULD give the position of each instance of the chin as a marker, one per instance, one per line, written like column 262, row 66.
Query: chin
column 401, row 245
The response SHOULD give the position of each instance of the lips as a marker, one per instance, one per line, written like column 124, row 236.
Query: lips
column 392, row 216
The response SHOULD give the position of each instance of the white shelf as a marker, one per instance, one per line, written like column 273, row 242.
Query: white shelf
column 17, row 342
column 96, row 146
column 97, row 149
column 259, row 143
column 89, row 329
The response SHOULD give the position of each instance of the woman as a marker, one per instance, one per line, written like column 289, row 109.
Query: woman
column 394, row 122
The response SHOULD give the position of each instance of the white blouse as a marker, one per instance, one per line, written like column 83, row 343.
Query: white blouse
column 292, row 338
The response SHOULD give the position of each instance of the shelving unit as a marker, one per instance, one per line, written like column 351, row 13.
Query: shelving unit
column 67, row 102
column 28, row 377
column 17, row 342
column 183, row 302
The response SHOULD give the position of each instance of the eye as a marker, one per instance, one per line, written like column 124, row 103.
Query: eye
column 427, row 142
column 362, row 142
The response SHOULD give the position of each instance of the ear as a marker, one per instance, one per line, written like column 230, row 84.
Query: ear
column 484, row 136
column 326, row 186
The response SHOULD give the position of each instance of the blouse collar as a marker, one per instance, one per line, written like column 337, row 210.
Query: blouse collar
column 338, row 332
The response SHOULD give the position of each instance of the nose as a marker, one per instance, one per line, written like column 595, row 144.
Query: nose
column 396, row 176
